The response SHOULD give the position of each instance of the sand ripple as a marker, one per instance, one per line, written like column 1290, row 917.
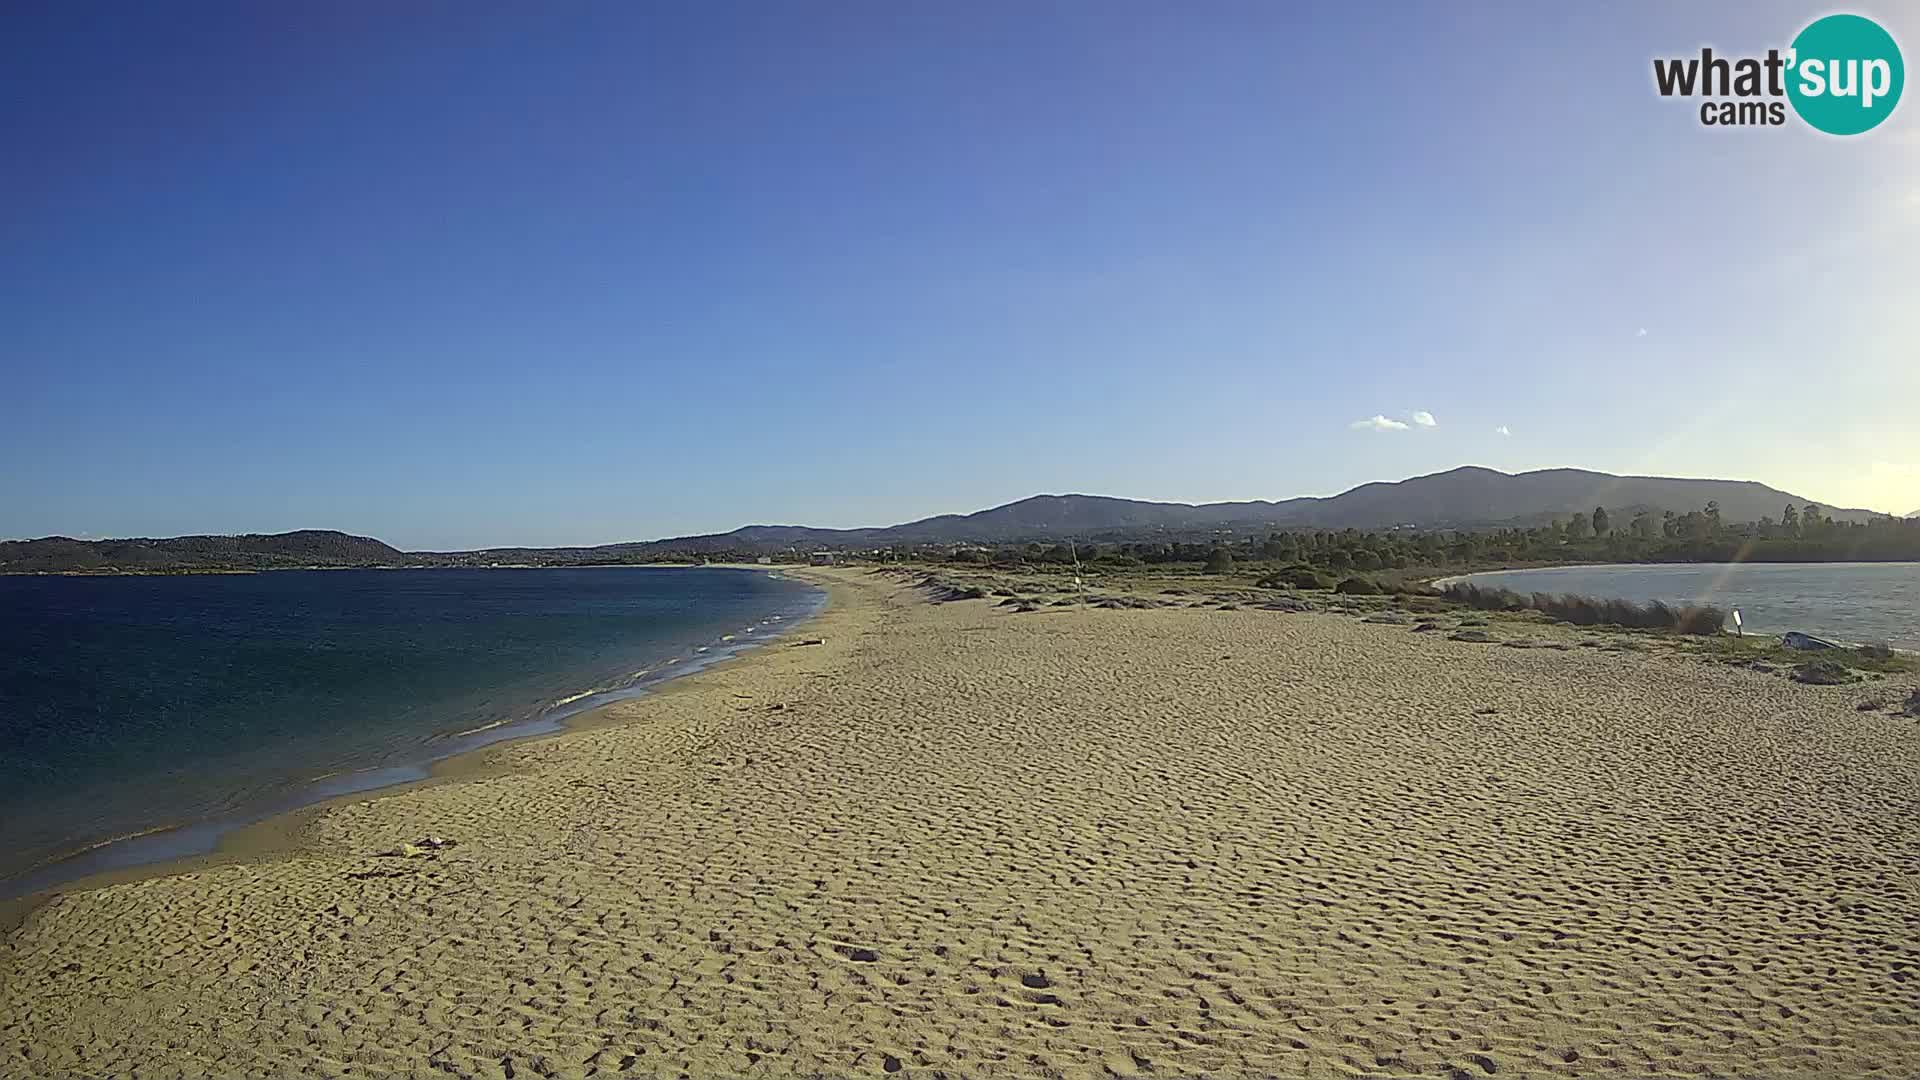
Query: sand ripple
column 957, row 841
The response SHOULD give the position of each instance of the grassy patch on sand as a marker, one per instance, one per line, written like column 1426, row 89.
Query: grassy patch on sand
column 1484, row 615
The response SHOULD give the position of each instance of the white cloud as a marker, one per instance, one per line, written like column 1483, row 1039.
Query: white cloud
column 1424, row 418
column 1378, row 423
column 1502, row 430
column 1642, row 332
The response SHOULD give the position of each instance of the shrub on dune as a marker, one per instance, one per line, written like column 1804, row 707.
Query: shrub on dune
column 1296, row 577
column 1587, row 611
column 1823, row 673
column 1703, row 619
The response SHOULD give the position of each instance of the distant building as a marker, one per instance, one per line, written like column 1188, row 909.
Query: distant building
column 822, row 558
column 765, row 560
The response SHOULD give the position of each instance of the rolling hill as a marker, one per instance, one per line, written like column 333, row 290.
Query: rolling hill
column 1466, row 497
column 308, row 547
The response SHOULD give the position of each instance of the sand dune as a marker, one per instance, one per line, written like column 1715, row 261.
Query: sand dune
column 956, row 841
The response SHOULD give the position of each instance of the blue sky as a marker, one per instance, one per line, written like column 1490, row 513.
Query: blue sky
column 452, row 276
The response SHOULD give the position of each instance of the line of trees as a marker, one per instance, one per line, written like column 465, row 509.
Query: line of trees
column 1799, row 534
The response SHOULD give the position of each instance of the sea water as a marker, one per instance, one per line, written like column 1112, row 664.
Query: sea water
column 172, row 708
column 1856, row 602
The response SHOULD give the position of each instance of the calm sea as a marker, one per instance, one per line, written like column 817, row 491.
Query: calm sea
column 1861, row 602
column 131, row 704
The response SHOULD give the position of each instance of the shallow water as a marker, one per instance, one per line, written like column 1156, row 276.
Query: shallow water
column 1860, row 602
column 194, row 703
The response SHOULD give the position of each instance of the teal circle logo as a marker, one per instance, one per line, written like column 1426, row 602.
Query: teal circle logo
column 1845, row 75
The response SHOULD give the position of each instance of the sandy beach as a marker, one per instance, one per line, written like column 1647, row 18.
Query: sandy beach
column 953, row 840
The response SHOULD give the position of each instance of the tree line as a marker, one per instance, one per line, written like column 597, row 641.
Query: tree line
column 1799, row 534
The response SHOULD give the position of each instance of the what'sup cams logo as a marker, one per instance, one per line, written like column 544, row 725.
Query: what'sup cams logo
column 1842, row 75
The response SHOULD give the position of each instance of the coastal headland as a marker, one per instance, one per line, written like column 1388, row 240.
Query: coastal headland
column 959, row 839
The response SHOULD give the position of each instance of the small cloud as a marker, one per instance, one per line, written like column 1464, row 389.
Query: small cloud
column 1378, row 423
column 1424, row 418
column 1502, row 430
column 1642, row 332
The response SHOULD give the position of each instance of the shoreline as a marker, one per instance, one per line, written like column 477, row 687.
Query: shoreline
column 216, row 572
column 1818, row 625
column 1678, row 565
column 271, row 830
column 961, row 837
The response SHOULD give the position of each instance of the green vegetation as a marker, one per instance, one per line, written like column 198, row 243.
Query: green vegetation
column 1764, row 652
column 195, row 554
column 1586, row 611
column 1296, row 558
column 1823, row 673
column 1297, row 576
column 1462, row 612
column 1396, row 556
column 1465, row 612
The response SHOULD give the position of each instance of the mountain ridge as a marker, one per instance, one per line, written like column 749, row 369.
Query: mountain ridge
column 1469, row 496
column 1463, row 497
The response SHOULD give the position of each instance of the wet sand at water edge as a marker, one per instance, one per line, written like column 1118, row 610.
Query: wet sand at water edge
column 953, row 840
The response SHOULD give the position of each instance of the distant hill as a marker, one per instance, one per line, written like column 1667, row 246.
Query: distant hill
column 308, row 547
column 1475, row 496
column 1463, row 498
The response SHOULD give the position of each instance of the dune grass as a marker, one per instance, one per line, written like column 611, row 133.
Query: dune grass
column 1588, row 611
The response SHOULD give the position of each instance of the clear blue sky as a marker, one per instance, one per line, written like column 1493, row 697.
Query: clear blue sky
column 452, row 276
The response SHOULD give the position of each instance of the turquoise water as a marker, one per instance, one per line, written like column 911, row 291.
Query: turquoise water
column 1859, row 602
column 192, row 704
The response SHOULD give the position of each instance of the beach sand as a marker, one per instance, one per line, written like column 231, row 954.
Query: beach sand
column 953, row 840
